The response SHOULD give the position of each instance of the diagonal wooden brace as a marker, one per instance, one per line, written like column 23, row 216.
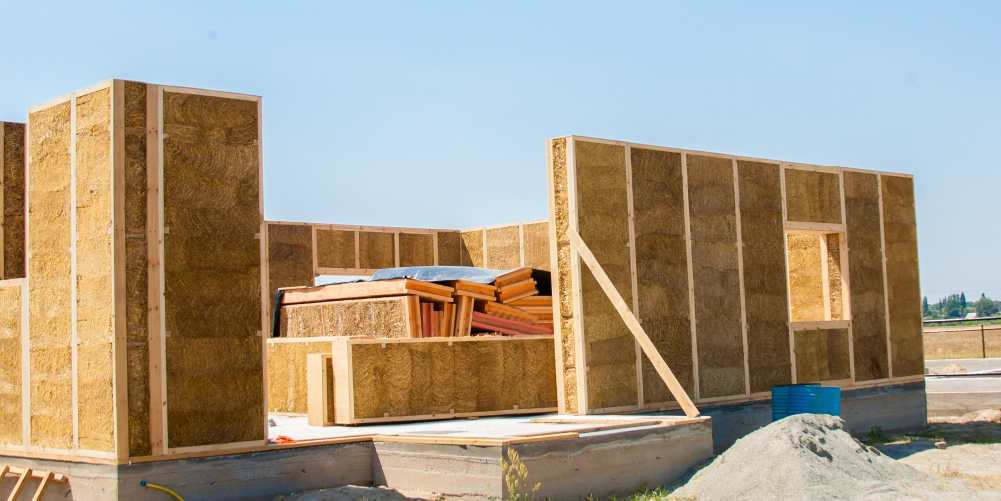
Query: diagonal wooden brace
column 634, row 326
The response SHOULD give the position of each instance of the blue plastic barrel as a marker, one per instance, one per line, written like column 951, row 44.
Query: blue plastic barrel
column 805, row 399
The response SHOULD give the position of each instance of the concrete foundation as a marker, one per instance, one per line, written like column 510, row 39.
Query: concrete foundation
column 958, row 395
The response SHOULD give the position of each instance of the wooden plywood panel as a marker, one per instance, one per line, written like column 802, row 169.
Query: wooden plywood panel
column 290, row 257
column 416, row 249
column 10, row 364
column 536, row 245
column 12, row 136
column 865, row 272
column 765, row 291
column 822, row 355
column 212, row 256
column 449, row 248
column 376, row 250
column 564, row 326
column 287, row 386
column 902, row 279
column 503, row 248
column 719, row 337
column 806, row 281
column 813, row 197
column 49, row 267
column 603, row 224
column 662, row 267
column 472, row 248
column 334, row 249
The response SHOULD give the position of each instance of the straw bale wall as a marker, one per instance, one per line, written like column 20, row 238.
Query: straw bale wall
column 536, row 245
column 380, row 317
column 334, row 249
column 822, row 355
column 603, row 215
column 503, row 247
column 212, row 256
column 420, row 378
column 806, row 282
column 12, row 136
column 287, row 384
column 765, row 274
column 471, row 250
column 903, row 287
column 49, row 318
column 416, row 249
column 662, row 268
column 376, row 250
column 10, row 363
column 563, row 285
column 290, row 257
column 813, row 197
column 719, row 337
column 865, row 272
column 449, row 248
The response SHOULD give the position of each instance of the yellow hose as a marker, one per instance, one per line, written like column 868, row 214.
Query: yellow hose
column 164, row 489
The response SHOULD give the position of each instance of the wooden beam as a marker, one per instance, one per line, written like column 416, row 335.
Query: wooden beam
column 19, row 486
column 154, row 293
column 555, row 266
column 785, row 252
column 580, row 347
column 691, row 277
column 886, row 288
column 634, row 326
column 3, row 189
column 799, row 227
column 42, row 487
column 740, row 278
column 634, row 284
column 74, row 339
column 120, row 339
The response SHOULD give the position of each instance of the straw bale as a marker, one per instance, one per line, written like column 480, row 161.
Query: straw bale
column 806, row 281
column 662, row 267
column 135, row 105
column 536, row 244
column 903, row 287
column 49, row 267
column 10, row 365
column 564, row 279
column 764, row 275
column 12, row 136
column 449, row 248
column 94, row 300
column 416, row 249
column 719, row 338
column 137, row 373
column 385, row 318
column 441, row 380
column 570, row 390
column 287, row 384
column 212, row 269
column 822, row 355
column 464, row 364
column 472, row 248
column 135, row 157
column 340, row 318
column 503, row 248
column 335, row 249
column 376, row 250
column 602, row 205
column 834, row 275
column 865, row 272
column 227, row 393
column 813, row 197
column 379, row 317
column 290, row 257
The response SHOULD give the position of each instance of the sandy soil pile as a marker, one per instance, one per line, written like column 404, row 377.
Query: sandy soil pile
column 806, row 456
column 952, row 368
column 985, row 416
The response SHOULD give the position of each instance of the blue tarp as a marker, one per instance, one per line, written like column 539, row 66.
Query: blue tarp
column 440, row 274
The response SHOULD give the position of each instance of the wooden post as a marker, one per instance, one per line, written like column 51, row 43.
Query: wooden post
column 318, row 392
column 634, row 326
column 983, row 341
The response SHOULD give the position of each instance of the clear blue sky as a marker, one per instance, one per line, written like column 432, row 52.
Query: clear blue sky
column 435, row 115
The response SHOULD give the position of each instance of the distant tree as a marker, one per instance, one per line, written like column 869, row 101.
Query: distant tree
column 962, row 299
column 986, row 307
column 953, row 307
column 925, row 310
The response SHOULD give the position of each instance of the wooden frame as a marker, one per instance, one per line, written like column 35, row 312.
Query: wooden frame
column 318, row 368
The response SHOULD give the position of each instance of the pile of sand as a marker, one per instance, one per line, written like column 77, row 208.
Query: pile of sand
column 952, row 368
column 984, row 416
column 806, row 456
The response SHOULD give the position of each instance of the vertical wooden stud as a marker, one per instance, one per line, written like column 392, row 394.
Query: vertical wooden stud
column 632, row 271
column 74, row 340
column 263, row 241
column 886, row 288
column 154, row 241
column 691, row 277
column 3, row 222
column 846, row 299
column 740, row 277
column 575, row 266
column 120, row 339
column 396, row 248
column 318, row 391
column 785, row 251
column 158, row 172
column 554, row 265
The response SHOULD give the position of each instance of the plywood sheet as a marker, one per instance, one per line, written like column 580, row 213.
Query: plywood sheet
column 603, row 224
column 380, row 317
column 564, row 280
column 449, row 248
column 813, row 197
column 662, row 268
column 865, row 272
column 376, row 250
column 536, row 244
column 12, row 136
column 472, row 248
column 503, row 248
column 290, row 257
column 416, row 249
column 335, row 249
column 822, row 355
column 806, row 281
column 10, row 364
column 765, row 291
column 212, row 269
column 903, row 281
column 287, row 386
column 719, row 337
column 49, row 266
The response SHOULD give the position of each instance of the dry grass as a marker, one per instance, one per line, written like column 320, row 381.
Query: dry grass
column 946, row 345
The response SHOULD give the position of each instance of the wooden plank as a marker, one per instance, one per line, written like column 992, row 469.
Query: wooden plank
column 504, row 311
column 471, row 441
column 120, row 338
column 19, row 486
column 580, row 362
column 360, row 290
column 487, row 321
column 154, row 294
column 74, row 339
column 165, row 432
column 801, row 227
column 554, row 265
column 785, row 247
column 42, row 487
column 318, row 391
column 513, row 277
column 448, row 329
column 632, row 269
column 886, row 288
column 343, row 385
column 463, row 316
column 691, row 276
column 740, row 277
column 413, row 306
column 812, row 326
column 634, row 327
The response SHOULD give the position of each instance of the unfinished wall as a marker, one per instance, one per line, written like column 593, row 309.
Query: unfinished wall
column 563, row 285
column 503, row 247
column 449, row 248
column 662, row 267
column 822, row 355
column 416, row 249
column 719, row 337
column 49, row 240
column 94, row 296
column 380, row 317
column 212, row 255
column 422, row 378
column 806, row 283
column 536, row 245
column 287, row 384
column 902, row 280
column 812, row 197
column 603, row 215
column 765, row 298
column 471, row 250
column 376, row 250
column 10, row 363
column 334, row 249
column 290, row 257
column 12, row 136
column 865, row 272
